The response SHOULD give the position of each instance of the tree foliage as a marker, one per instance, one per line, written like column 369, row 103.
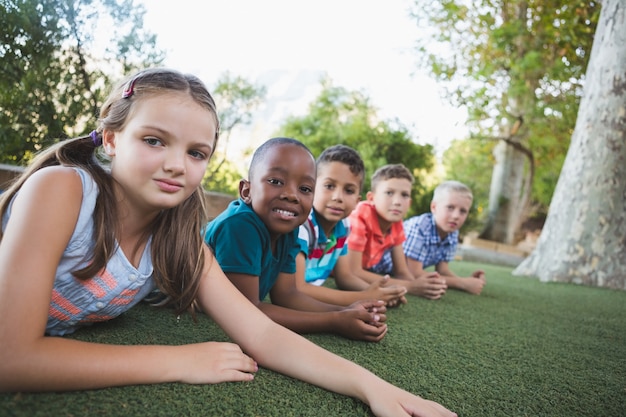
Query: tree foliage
column 584, row 238
column 236, row 99
column 518, row 67
column 57, row 58
column 339, row 116
column 467, row 161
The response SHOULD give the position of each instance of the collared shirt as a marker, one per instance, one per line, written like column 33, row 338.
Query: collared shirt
column 365, row 234
column 423, row 243
column 322, row 252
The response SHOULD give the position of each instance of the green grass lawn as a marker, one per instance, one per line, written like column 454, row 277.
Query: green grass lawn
column 522, row 348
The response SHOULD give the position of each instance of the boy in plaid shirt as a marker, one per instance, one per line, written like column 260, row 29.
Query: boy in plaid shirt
column 432, row 238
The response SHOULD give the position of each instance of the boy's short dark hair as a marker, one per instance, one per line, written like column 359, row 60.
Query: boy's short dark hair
column 259, row 153
column 345, row 155
column 389, row 171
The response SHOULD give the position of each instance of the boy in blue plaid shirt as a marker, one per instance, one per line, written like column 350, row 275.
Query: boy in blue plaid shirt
column 432, row 238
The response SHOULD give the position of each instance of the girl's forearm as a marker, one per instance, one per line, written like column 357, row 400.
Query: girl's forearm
column 293, row 355
column 59, row 364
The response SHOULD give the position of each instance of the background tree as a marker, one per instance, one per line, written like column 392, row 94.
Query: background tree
column 236, row 99
column 518, row 67
column 339, row 116
column 584, row 238
column 56, row 59
column 467, row 161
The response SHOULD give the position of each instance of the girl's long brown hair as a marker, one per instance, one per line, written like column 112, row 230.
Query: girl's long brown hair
column 177, row 241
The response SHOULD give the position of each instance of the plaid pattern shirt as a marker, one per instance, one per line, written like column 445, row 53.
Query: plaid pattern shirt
column 422, row 244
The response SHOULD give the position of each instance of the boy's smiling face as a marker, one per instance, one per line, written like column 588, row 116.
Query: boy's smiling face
column 336, row 193
column 280, row 190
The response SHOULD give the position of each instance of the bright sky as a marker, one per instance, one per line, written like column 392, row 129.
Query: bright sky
column 361, row 44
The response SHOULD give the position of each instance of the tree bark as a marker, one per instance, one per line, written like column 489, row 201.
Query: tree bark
column 584, row 237
column 507, row 196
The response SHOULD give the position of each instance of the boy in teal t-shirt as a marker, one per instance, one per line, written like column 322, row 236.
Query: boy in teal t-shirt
column 239, row 227
column 254, row 242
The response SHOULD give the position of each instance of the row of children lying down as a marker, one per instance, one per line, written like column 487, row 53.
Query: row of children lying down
column 283, row 240
column 83, row 242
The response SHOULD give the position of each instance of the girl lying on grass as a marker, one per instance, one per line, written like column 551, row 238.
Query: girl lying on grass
column 82, row 243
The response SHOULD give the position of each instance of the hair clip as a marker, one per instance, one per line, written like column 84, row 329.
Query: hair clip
column 130, row 88
column 96, row 138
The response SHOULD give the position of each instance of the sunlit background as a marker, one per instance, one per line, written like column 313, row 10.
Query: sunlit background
column 287, row 46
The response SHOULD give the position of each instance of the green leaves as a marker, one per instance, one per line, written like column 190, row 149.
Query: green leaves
column 505, row 59
column 339, row 116
column 52, row 75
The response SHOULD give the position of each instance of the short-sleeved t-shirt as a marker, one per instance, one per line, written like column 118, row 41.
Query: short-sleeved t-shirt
column 423, row 243
column 242, row 245
column 365, row 234
column 322, row 252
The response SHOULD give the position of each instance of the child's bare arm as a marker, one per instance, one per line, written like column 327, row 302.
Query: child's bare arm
column 361, row 322
column 400, row 267
column 292, row 291
column 354, row 261
column 324, row 294
column 345, row 278
column 473, row 284
column 383, row 289
column 43, row 363
column 278, row 349
column 415, row 267
column 376, row 291
column 355, row 264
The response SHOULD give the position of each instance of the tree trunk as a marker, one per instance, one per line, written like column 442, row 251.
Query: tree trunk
column 509, row 194
column 584, row 237
column 506, row 194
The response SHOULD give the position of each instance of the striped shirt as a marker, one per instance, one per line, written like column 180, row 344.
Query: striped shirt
column 322, row 252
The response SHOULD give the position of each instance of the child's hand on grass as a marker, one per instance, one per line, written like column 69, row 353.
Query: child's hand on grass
column 392, row 295
column 480, row 274
column 363, row 320
column 212, row 362
column 430, row 285
column 475, row 283
column 390, row 400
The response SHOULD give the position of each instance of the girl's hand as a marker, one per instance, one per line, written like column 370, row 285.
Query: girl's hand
column 393, row 401
column 213, row 362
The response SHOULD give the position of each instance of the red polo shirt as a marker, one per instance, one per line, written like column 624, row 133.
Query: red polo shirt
column 365, row 234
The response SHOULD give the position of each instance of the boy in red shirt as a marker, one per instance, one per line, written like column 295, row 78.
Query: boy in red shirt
column 376, row 227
